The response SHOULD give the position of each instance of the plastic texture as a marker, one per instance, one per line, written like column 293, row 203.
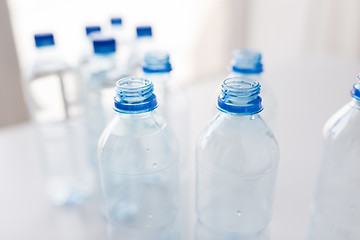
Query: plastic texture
column 157, row 62
column 240, row 95
column 134, row 95
column 44, row 40
column 138, row 158
column 335, row 214
column 236, row 164
column 246, row 61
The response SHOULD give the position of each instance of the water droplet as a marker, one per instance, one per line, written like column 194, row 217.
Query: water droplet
column 238, row 213
column 252, row 117
column 150, row 216
column 352, row 206
column 154, row 165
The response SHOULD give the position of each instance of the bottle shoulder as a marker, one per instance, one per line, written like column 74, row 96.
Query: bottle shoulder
column 242, row 146
column 344, row 123
column 139, row 144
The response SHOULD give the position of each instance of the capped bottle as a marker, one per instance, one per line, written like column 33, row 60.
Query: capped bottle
column 138, row 158
column 142, row 44
column 173, row 107
column 53, row 99
column 336, row 210
column 90, row 31
column 248, row 63
column 236, row 163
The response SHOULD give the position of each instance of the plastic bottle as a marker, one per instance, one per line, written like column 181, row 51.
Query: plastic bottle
column 248, row 63
column 236, row 163
column 336, row 211
column 173, row 106
column 53, row 99
column 99, row 79
column 142, row 44
column 87, row 45
column 138, row 159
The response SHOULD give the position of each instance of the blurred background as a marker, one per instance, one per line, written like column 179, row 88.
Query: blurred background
column 311, row 56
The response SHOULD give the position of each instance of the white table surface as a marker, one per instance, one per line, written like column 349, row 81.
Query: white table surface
column 308, row 92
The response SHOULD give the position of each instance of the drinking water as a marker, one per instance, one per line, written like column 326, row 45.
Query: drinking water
column 138, row 158
column 236, row 163
column 53, row 100
column 336, row 214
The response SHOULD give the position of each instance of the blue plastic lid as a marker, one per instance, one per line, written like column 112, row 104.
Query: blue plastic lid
column 134, row 95
column 116, row 21
column 91, row 29
column 104, row 45
column 44, row 39
column 240, row 96
column 247, row 61
column 355, row 93
column 143, row 31
column 157, row 62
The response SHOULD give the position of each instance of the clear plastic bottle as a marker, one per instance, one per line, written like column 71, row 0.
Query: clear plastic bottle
column 173, row 106
column 336, row 211
column 236, row 163
column 99, row 79
column 142, row 44
column 248, row 63
column 138, row 158
column 87, row 45
column 53, row 99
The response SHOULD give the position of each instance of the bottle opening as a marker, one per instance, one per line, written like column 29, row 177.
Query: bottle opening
column 246, row 61
column 240, row 95
column 157, row 62
column 134, row 95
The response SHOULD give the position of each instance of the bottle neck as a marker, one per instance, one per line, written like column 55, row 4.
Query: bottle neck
column 255, row 76
column 102, row 62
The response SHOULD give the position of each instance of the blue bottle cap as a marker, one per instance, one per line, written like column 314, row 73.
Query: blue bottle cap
column 157, row 62
column 355, row 93
column 116, row 21
column 44, row 39
column 91, row 29
column 247, row 61
column 240, row 96
column 104, row 45
column 134, row 95
column 143, row 31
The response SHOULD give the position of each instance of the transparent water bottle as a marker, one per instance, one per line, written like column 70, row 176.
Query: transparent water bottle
column 138, row 159
column 236, row 163
column 87, row 45
column 99, row 79
column 336, row 211
column 54, row 105
column 248, row 63
column 142, row 44
column 173, row 107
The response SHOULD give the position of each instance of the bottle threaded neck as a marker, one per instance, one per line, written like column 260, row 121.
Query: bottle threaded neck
column 157, row 62
column 240, row 96
column 134, row 95
column 246, row 61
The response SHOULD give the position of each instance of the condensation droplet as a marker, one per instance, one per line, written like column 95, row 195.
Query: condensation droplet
column 352, row 206
column 150, row 215
column 154, row 165
column 252, row 117
column 238, row 213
